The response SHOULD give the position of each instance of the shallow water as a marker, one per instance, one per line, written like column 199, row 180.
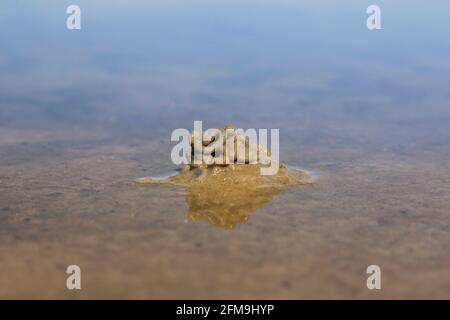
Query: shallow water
column 84, row 113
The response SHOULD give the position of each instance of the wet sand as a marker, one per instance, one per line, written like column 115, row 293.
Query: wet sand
column 66, row 204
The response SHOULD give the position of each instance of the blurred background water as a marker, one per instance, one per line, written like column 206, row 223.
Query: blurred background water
column 144, row 68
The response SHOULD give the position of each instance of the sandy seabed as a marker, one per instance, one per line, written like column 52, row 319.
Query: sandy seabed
column 64, row 203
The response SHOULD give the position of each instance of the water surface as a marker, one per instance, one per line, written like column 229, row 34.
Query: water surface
column 84, row 112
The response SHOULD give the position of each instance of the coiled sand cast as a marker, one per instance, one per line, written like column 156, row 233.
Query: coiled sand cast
column 225, row 195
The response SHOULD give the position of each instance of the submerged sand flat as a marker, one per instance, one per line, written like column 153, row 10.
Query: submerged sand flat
column 77, row 205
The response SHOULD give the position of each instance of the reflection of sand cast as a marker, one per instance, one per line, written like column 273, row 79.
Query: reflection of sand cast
column 225, row 195
column 229, row 196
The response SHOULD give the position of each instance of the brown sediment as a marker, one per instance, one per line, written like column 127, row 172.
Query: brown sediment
column 76, row 207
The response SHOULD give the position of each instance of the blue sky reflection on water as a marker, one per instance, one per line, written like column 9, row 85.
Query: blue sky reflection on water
column 309, row 68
